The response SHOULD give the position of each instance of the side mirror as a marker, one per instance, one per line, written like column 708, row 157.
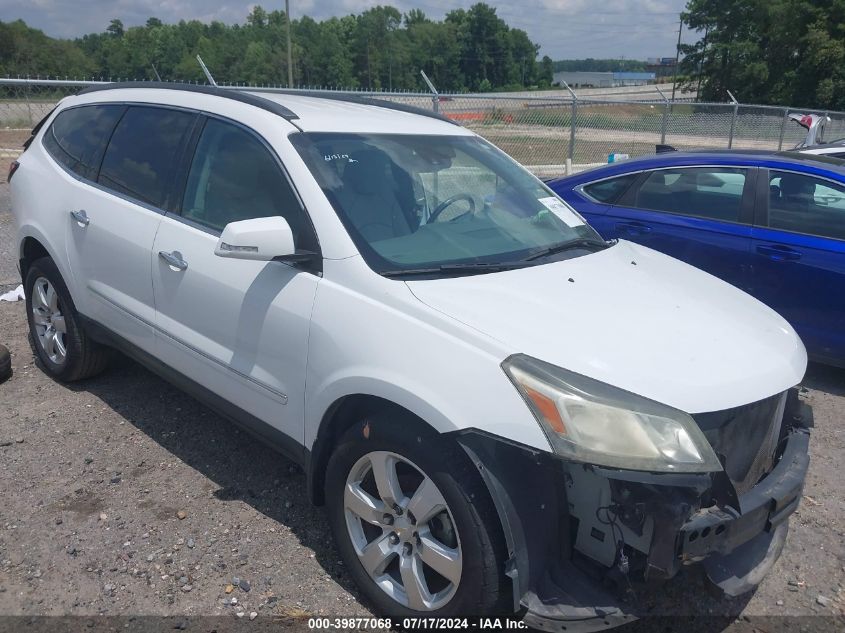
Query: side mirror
column 261, row 239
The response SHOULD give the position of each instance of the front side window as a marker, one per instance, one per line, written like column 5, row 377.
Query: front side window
column 714, row 193
column 77, row 136
column 414, row 201
column 803, row 204
column 141, row 155
column 234, row 177
column 610, row 190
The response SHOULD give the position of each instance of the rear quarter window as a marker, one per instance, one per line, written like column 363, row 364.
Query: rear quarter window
column 77, row 137
column 609, row 191
column 142, row 153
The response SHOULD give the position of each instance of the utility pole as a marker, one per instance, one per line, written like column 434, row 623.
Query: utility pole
column 677, row 58
column 701, row 64
column 290, row 56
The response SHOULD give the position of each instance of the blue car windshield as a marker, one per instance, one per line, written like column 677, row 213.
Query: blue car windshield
column 422, row 201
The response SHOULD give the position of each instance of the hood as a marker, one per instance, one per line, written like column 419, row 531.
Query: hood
column 636, row 319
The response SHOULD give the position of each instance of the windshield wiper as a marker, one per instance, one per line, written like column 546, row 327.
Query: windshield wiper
column 452, row 269
column 567, row 246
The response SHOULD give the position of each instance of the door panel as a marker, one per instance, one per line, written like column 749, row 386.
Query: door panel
column 110, row 229
column 804, row 280
column 110, row 256
column 801, row 275
column 239, row 328
column 697, row 215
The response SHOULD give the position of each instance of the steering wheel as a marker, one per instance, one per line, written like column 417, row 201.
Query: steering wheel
column 440, row 208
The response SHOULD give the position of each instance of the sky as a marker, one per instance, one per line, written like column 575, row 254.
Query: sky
column 565, row 29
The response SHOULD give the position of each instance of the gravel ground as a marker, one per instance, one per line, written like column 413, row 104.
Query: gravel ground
column 122, row 496
column 9, row 277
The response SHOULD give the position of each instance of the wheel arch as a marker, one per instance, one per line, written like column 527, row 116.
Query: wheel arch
column 33, row 246
column 342, row 414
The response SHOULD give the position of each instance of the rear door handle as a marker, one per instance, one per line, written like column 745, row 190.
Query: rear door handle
column 81, row 217
column 633, row 228
column 779, row 253
column 174, row 259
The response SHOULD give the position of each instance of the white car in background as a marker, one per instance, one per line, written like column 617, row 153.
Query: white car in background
column 500, row 409
column 814, row 142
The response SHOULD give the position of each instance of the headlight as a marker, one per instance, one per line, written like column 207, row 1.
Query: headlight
column 589, row 421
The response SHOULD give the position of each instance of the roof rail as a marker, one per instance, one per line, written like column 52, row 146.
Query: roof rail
column 227, row 93
column 355, row 98
column 247, row 95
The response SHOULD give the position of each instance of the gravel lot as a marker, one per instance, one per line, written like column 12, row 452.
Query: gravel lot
column 95, row 477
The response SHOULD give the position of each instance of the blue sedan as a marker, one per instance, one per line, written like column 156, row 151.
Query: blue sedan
column 770, row 224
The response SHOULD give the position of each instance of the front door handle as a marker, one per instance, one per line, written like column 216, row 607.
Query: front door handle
column 633, row 228
column 81, row 217
column 174, row 259
column 779, row 253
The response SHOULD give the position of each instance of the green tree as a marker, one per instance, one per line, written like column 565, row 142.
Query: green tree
column 379, row 49
column 778, row 51
column 547, row 71
column 115, row 28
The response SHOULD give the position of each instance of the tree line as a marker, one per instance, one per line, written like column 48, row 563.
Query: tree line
column 784, row 52
column 378, row 49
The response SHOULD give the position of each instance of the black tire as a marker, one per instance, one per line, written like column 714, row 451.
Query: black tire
column 483, row 588
column 84, row 357
column 5, row 363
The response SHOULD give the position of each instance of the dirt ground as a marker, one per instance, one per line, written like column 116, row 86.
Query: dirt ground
column 94, row 478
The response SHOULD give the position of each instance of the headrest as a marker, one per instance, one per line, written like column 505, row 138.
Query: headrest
column 688, row 180
column 794, row 185
column 366, row 172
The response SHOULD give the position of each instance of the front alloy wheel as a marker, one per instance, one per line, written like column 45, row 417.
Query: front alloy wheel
column 413, row 520
column 402, row 531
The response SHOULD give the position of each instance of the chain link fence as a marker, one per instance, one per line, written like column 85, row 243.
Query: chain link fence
column 551, row 135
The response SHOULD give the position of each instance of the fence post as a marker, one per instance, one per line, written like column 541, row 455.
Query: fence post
column 28, row 97
column 665, row 121
column 733, row 125
column 572, row 121
column 783, row 128
column 733, row 119
column 435, row 96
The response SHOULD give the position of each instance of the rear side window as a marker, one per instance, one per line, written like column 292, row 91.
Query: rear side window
column 610, row 190
column 77, row 137
column 714, row 193
column 234, row 177
column 803, row 204
column 142, row 153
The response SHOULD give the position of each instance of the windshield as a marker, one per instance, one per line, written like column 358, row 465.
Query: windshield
column 420, row 202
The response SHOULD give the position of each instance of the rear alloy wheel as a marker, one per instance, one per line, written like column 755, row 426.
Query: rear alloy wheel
column 50, row 327
column 414, row 522
column 407, row 544
column 62, row 347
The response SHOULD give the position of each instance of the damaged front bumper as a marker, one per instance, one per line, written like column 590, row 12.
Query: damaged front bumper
column 583, row 538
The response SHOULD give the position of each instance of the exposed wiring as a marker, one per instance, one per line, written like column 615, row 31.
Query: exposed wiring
column 622, row 563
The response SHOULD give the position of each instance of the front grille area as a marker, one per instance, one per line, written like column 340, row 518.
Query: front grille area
column 745, row 438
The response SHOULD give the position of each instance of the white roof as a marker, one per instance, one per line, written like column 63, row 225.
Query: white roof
column 334, row 115
column 314, row 114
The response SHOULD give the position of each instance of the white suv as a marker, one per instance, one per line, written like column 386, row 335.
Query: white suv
column 502, row 411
